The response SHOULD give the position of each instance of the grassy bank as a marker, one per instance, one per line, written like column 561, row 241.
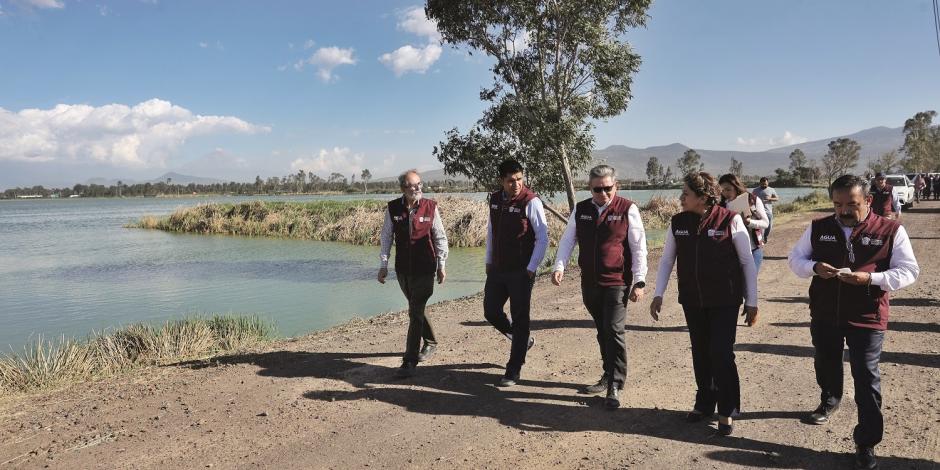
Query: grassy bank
column 357, row 222
column 47, row 364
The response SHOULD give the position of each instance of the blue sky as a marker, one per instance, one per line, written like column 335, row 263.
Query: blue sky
column 236, row 88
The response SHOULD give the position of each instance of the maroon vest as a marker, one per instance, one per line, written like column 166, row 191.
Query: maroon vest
column 603, row 253
column 881, row 200
column 414, row 251
column 841, row 303
column 708, row 268
column 513, row 238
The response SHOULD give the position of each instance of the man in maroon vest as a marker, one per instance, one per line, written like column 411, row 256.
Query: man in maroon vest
column 612, row 255
column 517, row 236
column 855, row 258
column 414, row 224
column 883, row 202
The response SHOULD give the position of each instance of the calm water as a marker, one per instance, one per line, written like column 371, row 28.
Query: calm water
column 68, row 267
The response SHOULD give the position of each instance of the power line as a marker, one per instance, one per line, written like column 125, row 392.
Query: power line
column 936, row 22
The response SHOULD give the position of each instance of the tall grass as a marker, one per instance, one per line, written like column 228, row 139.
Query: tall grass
column 45, row 364
column 815, row 200
column 356, row 222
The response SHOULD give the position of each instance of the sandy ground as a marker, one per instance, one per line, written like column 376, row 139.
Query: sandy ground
column 330, row 400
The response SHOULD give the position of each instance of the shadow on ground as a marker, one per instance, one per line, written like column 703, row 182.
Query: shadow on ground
column 536, row 325
column 533, row 406
column 908, row 327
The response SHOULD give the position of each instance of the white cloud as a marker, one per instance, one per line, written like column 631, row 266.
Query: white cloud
column 411, row 59
column 325, row 59
column 337, row 159
column 309, row 44
column 203, row 45
column 143, row 136
column 788, row 138
column 414, row 21
column 103, row 10
column 43, row 3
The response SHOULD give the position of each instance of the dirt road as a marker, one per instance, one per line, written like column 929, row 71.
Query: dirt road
column 330, row 400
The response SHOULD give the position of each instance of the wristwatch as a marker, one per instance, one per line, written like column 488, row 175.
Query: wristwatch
column 640, row 285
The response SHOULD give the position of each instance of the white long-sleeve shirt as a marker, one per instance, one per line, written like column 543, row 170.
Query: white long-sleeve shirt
column 535, row 212
column 902, row 268
column 742, row 245
column 438, row 237
column 636, row 242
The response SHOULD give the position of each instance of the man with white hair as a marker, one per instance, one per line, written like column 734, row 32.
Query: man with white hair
column 414, row 223
column 612, row 256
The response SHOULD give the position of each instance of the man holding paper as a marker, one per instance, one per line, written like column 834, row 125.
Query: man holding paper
column 855, row 257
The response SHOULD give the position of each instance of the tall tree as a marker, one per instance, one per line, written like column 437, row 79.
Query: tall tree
column 736, row 168
column 797, row 160
column 690, row 162
column 921, row 143
column 366, row 176
column 842, row 156
column 654, row 170
column 557, row 67
column 886, row 163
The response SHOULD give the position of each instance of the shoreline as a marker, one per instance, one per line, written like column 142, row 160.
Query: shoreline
column 329, row 399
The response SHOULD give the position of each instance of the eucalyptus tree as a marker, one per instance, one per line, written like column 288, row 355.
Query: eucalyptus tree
column 842, row 156
column 921, row 143
column 557, row 66
column 365, row 176
column 690, row 162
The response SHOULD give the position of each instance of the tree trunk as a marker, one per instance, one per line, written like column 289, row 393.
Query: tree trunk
column 566, row 172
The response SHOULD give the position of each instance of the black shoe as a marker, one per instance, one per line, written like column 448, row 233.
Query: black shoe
column 821, row 414
column 508, row 381
column 696, row 416
column 612, row 402
column 865, row 458
column 406, row 370
column 426, row 352
column 725, row 429
column 599, row 387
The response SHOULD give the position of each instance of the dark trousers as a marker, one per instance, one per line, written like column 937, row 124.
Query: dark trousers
column 712, row 332
column 516, row 287
column 417, row 289
column 864, row 354
column 605, row 304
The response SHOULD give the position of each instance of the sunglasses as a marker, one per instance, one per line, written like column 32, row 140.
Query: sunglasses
column 602, row 189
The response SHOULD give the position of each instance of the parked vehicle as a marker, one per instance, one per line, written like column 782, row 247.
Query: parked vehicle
column 903, row 190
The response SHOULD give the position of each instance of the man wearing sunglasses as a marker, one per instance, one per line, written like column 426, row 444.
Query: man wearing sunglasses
column 855, row 257
column 517, row 237
column 612, row 256
column 414, row 224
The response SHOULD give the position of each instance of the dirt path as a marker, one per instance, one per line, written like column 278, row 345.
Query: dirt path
column 329, row 400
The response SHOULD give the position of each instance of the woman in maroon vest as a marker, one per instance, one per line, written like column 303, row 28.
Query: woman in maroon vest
column 715, row 272
column 755, row 217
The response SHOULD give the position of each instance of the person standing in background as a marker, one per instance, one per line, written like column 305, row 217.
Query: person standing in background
column 768, row 196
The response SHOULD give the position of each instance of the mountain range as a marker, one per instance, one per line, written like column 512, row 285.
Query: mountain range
column 175, row 178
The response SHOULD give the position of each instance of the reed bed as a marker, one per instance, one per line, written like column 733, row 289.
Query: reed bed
column 356, row 222
column 45, row 364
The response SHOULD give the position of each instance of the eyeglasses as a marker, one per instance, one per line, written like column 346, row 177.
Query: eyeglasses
column 602, row 189
column 412, row 186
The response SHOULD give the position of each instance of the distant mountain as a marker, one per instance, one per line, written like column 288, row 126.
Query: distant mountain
column 631, row 162
column 430, row 175
column 108, row 181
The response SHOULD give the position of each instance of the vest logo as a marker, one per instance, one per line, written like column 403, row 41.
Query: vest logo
column 397, row 218
column 423, row 219
column 828, row 238
column 512, row 209
column 682, row 232
column 872, row 241
column 715, row 233
column 494, row 206
column 586, row 217
column 612, row 218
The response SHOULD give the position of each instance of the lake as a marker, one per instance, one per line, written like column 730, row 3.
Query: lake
column 67, row 267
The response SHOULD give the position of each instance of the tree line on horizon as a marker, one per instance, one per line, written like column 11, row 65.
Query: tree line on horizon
column 921, row 154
